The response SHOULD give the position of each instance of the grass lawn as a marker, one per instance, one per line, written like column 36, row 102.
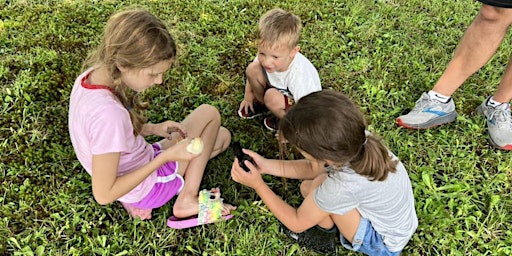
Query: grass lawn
column 383, row 54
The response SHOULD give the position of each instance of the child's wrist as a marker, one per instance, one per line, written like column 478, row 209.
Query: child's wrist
column 258, row 187
column 149, row 128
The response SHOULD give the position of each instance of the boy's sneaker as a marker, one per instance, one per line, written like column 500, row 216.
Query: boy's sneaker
column 317, row 239
column 428, row 113
column 499, row 124
column 272, row 123
column 259, row 109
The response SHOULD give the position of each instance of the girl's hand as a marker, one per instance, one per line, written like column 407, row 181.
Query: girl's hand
column 167, row 128
column 251, row 179
column 260, row 161
column 179, row 152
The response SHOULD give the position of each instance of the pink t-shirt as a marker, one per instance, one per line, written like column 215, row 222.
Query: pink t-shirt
column 99, row 124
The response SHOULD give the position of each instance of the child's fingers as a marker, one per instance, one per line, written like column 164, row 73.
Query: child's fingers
column 177, row 129
column 242, row 105
column 249, row 152
column 227, row 208
column 237, row 172
column 251, row 166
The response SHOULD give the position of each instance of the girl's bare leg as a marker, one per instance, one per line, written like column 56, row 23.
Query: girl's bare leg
column 203, row 122
column 307, row 187
column 347, row 223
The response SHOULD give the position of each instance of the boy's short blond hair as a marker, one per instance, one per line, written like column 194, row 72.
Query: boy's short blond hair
column 277, row 27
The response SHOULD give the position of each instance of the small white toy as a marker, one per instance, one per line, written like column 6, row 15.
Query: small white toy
column 195, row 146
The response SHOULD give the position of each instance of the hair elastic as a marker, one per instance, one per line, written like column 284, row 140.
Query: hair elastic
column 366, row 140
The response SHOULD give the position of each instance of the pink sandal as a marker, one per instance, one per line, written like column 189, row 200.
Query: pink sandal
column 210, row 211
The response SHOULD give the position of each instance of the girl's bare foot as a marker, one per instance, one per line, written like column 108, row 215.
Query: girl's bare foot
column 186, row 208
column 135, row 212
column 227, row 208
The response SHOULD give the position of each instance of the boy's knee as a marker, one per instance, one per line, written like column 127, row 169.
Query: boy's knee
column 495, row 15
column 272, row 97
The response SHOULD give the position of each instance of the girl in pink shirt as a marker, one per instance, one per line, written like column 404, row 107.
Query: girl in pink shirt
column 106, row 124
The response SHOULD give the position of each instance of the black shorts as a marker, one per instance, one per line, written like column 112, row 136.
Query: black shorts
column 498, row 3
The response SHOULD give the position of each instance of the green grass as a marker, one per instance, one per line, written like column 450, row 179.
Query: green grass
column 381, row 53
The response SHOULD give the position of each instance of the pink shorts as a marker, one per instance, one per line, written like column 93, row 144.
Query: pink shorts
column 168, row 184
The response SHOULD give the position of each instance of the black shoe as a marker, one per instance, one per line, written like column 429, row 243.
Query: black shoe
column 271, row 123
column 259, row 109
column 317, row 239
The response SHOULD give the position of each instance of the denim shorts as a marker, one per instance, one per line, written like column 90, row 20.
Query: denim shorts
column 367, row 241
column 498, row 3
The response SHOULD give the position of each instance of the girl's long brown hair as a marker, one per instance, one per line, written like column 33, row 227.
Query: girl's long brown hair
column 133, row 39
column 328, row 126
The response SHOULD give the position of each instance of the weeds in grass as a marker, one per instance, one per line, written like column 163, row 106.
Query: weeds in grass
column 382, row 54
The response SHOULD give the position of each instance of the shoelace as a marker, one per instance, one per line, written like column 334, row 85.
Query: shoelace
column 422, row 103
column 501, row 115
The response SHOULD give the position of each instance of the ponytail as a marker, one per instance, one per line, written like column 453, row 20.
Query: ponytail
column 374, row 160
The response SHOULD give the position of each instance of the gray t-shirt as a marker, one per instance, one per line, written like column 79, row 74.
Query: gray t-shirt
column 388, row 204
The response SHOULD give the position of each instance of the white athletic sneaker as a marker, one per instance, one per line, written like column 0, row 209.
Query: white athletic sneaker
column 428, row 113
column 499, row 124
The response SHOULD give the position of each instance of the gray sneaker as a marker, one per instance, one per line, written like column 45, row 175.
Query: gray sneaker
column 499, row 124
column 428, row 113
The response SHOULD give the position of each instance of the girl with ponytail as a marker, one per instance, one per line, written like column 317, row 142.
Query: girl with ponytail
column 356, row 192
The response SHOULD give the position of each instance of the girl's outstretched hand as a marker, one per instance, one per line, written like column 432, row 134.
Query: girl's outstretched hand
column 253, row 178
column 260, row 161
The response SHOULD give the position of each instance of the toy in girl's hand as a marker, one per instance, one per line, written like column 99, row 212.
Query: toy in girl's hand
column 195, row 146
column 241, row 156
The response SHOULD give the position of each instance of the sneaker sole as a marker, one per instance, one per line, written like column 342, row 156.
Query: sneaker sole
column 268, row 127
column 294, row 236
column 432, row 123
column 506, row 147
column 248, row 117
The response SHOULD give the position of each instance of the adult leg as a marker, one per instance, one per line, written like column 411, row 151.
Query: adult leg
column 504, row 92
column 477, row 46
column 496, row 110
